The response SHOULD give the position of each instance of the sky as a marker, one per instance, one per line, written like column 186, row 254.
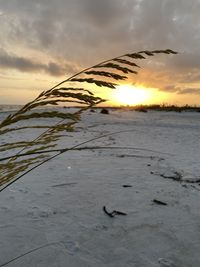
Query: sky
column 43, row 42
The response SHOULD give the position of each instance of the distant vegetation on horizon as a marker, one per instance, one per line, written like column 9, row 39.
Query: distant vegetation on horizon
column 141, row 107
column 155, row 107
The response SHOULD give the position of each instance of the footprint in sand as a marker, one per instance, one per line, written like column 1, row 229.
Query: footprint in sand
column 166, row 263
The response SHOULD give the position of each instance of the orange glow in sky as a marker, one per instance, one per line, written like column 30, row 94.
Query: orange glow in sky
column 130, row 95
column 33, row 59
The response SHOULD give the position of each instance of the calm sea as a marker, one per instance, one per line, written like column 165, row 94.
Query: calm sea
column 6, row 108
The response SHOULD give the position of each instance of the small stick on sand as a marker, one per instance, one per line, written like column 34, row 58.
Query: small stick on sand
column 113, row 213
column 160, row 202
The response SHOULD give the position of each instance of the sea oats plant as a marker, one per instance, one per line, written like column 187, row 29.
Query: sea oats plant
column 25, row 155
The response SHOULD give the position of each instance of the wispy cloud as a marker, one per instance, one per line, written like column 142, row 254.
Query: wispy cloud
column 193, row 91
column 11, row 61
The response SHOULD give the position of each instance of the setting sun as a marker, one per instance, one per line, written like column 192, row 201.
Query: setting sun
column 130, row 95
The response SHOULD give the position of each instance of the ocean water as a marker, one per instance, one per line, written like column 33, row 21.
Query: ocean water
column 7, row 108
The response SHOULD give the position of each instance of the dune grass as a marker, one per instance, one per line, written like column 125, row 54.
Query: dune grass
column 68, row 92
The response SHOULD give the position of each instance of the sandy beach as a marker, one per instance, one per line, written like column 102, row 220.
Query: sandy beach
column 147, row 167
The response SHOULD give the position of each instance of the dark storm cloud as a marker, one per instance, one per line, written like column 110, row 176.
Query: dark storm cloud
column 8, row 61
column 86, row 31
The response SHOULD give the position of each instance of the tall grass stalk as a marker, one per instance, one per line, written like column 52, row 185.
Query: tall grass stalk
column 111, row 72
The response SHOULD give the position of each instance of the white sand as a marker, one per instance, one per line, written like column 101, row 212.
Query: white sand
column 55, row 212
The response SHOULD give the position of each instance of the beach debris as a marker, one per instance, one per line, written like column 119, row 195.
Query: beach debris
column 174, row 175
column 181, row 177
column 113, row 213
column 159, row 202
column 184, row 185
column 141, row 110
column 127, row 185
column 63, row 184
column 104, row 111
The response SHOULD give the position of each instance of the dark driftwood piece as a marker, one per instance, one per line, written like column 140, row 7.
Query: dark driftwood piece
column 127, row 185
column 113, row 213
column 159, row 202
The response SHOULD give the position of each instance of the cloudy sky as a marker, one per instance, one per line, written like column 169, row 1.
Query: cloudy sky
column 45, row 41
